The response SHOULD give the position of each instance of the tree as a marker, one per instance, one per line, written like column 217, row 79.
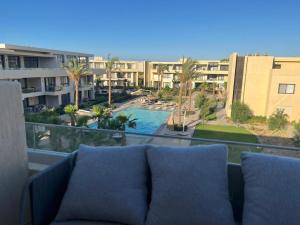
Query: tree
column 182, row 80
column 124, row 121
column 110, row 66
column 75, row 71
column 204, row 87
column 161, row 69
column 189, row 67
column 100, row 113
column 240, row 112
column 187, row 74
column 278, row 120
column 200, row 100
column 71, row 111
column 206, row 106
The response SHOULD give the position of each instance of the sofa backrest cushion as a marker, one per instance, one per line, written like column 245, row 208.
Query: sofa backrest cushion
column 189, row 186
column 272, row 189
column 107, row 184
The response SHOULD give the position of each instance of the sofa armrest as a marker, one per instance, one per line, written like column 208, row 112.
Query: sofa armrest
column 46, row 191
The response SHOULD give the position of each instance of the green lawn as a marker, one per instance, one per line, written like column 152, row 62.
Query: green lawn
column 229, row 133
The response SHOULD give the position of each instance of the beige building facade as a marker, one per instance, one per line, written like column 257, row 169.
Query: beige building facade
column 210, row 71
column 144, row 73
column 265, row 83
column 130, row 73
column 40, row 72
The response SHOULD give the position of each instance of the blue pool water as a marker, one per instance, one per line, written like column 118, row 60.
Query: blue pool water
column 148, row 121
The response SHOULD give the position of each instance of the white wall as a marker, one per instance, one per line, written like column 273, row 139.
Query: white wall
column 13, row 157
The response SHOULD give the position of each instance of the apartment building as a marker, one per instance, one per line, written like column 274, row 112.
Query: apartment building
column 210, row 71
column 129, row 73
column 265, row 83
column 144, row 73
column 43, row 79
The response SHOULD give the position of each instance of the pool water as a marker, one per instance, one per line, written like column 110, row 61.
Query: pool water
column 148, row 121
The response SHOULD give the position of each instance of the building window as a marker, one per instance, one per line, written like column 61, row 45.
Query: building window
column 177, row 67
column 31, row 62
column 276, row 66
column 2, row 64
column 64, row 81
column 60, row 59
column 224, row 67
column 71, row 57
column 50, row 83
column 286, row 88
column 13, row 62
column 32, row 101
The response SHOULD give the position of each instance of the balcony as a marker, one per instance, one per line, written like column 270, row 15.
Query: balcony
column 48, row 143
column 31, row 90
column 86, row 85
column 34, row 72
column 54, row 88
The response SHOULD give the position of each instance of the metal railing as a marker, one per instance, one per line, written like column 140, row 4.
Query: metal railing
column 63, row 138
column 31, row 90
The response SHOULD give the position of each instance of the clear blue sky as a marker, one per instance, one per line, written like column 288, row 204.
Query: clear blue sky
column 155, row 29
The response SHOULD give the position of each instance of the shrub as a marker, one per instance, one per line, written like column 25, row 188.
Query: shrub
column 297, row 134
column 240, row 112
column 212, row 116
column 207, row 107
column 200, row 100
column 278, row 120
column 82, row 121
column 257, row 119
column 48, row 116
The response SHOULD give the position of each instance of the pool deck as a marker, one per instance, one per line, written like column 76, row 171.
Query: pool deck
column 163, row 129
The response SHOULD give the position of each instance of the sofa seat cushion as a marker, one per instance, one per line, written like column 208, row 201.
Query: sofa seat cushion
column 272, row 185
column 81, row 222
column 107, row 184
column 189, row 186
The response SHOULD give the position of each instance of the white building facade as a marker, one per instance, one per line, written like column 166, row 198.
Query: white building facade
column 43, row 79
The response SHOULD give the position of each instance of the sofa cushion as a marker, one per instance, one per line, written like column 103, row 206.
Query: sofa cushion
column 189, row 186
column 107, row 184
column 272, row 187
column 82, row 222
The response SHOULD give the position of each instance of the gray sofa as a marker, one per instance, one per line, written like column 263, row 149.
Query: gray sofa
column 48, row 188
column 54, row 190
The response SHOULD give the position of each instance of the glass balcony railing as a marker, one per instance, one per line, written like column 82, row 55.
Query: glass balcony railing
column 62, row 138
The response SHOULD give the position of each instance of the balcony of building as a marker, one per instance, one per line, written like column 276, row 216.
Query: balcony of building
column 31, row 87
column 86, row 82
column 17, row 67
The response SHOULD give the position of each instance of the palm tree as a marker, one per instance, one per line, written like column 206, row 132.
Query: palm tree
column 71, row 111
column 75, row 71
column 125, row 120
column 100, row 113
column 161, row 69
column 190, row 71
column 122, row 120
column 204, row 87
column 110, row 66
column 186, row 76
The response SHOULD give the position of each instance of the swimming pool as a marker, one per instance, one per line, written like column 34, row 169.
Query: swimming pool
column 148, row 121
